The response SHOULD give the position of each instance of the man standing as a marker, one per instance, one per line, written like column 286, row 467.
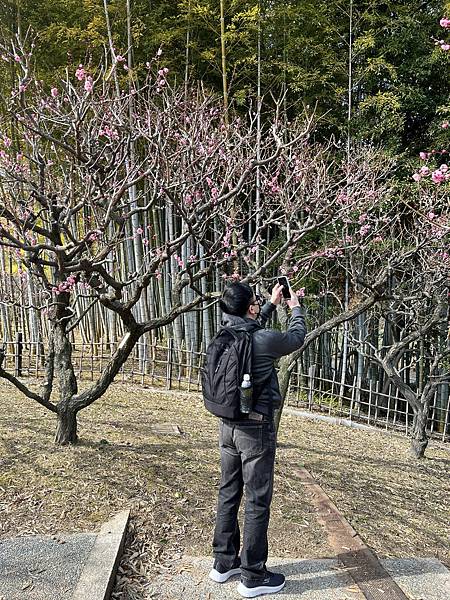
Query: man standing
column 247, row 445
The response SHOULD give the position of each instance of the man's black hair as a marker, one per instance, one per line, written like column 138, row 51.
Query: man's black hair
column 236, row 299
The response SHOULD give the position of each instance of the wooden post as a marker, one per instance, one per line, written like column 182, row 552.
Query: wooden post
column 311, row 373
column 370, row 402
column 169, row 364
column 18, row 354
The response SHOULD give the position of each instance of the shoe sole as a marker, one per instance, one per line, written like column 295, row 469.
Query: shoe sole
column 258, row 591
column 222, row 577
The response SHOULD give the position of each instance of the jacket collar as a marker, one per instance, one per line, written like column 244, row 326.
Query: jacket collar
column 235, row 321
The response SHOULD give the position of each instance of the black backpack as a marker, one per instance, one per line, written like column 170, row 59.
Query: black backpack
column 228, row 358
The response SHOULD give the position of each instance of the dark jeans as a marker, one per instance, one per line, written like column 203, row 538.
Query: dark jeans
column 247, row 455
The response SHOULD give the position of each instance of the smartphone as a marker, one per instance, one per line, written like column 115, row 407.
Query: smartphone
column 285, row 283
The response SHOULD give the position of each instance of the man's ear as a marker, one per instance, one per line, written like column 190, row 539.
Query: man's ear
column 252, row 309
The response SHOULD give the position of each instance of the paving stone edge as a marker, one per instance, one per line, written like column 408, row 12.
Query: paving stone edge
column 98, row 573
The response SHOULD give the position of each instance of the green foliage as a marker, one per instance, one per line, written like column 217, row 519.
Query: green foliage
column 399, row 81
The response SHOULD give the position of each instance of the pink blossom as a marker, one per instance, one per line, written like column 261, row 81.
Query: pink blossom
column 88, row 84
column 7, row 141
column 438, row 176
column 80, row 73
column 443, row 168
column 300, row 293
column 423, row 155
column 120, row 58
column 342, row 198
column 445, row 23
column 417, row 177
column 445, row 125
column 431, row 215
column 424, row 171
column 17, row 58
column 364, row 230
column 139, row 231
column 54, row 92
column 445, row 47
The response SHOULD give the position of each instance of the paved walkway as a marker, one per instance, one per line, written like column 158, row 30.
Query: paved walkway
column 42, row 567
column 79, row 566
column 324, row 579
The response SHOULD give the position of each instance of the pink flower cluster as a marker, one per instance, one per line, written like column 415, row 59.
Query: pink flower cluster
column 109, row 132
column 229, row 255
column 438, row 176
column 162, row 73
column 93, row 237
column 342, row 199
column 445, row 23
column 65, row 286
column 273, row 187
column 179, row 261
column 88, row 84
column 332, row 252
column 80, row 73
column 212, row 187
column 443, row 45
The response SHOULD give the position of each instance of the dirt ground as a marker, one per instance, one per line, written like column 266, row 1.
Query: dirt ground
column 397, row 504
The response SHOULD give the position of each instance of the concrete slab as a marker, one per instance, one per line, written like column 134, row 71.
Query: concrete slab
column 63, row 567
column 420, row 579
column 42, row 567
column 320, row 579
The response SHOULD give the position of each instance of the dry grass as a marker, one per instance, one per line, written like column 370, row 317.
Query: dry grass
column 398, row 505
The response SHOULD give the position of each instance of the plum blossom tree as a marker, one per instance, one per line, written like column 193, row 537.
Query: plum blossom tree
column 82, row 180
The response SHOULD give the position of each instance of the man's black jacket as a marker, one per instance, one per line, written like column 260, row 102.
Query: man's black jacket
column 268, row 345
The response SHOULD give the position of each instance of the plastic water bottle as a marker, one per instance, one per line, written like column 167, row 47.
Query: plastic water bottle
column 246, row 395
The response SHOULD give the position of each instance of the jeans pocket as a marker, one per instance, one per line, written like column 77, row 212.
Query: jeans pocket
column 249, row 440
column 226, row 438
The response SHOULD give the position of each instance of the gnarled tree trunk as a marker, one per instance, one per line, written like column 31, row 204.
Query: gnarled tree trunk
column 66, row 432
column 66, row 429
column 419, row 437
